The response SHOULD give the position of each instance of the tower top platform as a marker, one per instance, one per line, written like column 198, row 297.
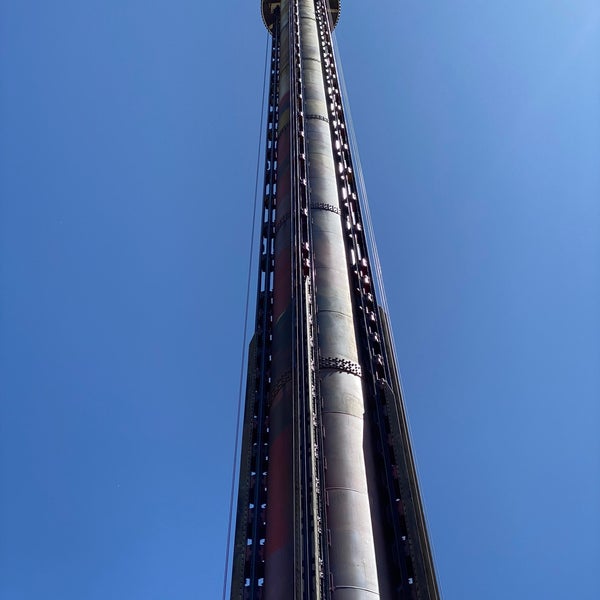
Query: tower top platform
column 268, row 8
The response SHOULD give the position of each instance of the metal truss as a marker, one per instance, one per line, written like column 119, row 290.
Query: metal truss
column 249, row 550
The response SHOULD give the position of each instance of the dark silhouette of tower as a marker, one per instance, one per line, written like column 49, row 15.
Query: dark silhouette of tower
column 329, row 504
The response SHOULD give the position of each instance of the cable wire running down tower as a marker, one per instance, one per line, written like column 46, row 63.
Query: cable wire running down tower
column 329, row 505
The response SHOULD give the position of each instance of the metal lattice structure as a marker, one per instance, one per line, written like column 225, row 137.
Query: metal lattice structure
column 329, row 505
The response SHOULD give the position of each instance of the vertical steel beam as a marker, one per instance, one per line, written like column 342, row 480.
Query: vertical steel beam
column 281, row 505
column 250, row 534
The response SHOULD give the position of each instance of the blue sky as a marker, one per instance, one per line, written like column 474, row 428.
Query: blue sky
column 128, row 135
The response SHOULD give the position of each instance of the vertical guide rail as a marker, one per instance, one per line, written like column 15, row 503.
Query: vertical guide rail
column 249, row 563
column 298, row 371
column 309, row 544
column 411, row 563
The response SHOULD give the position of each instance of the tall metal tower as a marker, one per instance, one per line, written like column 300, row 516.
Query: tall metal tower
column 329, row 504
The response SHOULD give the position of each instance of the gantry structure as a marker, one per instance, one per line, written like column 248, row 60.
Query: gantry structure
column 328, row 505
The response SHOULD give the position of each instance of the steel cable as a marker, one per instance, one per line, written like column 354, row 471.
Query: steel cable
column 372, row 245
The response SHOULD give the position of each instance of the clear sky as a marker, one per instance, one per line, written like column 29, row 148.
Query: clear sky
column 128, row 136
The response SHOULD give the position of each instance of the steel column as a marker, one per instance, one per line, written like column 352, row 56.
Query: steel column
column 329, row 505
